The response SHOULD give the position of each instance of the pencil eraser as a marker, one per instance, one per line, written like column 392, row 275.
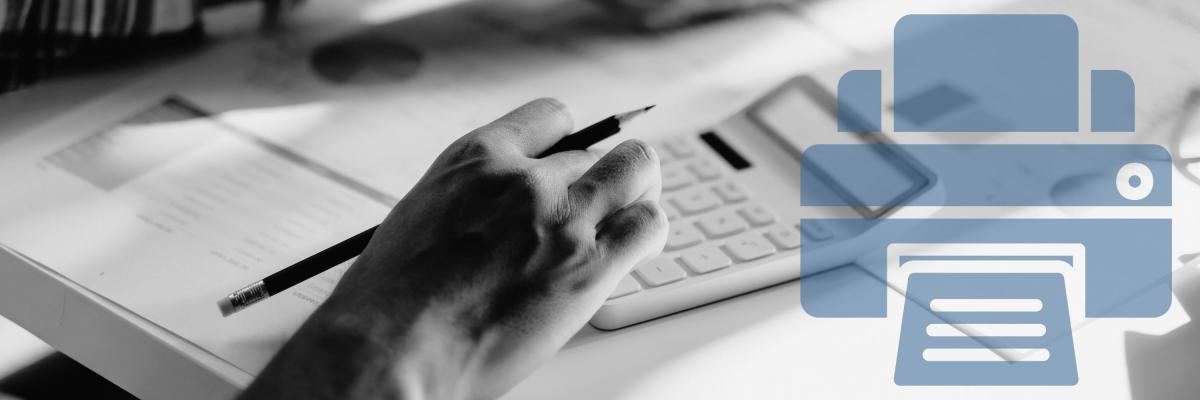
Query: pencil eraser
column 226, row 306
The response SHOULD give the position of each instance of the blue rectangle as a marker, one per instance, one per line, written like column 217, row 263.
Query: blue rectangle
column 1020, row 70
column 988, row 175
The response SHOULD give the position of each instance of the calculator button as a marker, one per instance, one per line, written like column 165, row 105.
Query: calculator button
column 748, row 247
column 680, row 148
column 730, row 192
column 705, row 170
column 720, row 224
column 702, row 260
column 695, row 201
column 682, row 235
column 660, row 271
column 816, row 230
column 672, row 213
column 757, row 215
column 626, row 287
column 664, row 157
column 784, row 237
column 676, row 178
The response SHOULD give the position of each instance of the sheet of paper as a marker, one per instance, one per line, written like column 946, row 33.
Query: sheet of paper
column 170, row 209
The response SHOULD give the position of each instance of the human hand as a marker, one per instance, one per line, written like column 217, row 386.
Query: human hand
column 660, row 14
column 486, row 268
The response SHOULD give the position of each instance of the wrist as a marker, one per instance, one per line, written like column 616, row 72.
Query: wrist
column 329, row 357
column 417, row 350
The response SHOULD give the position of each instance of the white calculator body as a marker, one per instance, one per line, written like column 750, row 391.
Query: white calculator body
column 732, row 195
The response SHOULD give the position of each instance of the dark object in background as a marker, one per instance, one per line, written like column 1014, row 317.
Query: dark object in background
column 669, row 14
column 42, row 38
column 366, row 60
column 1164, row 366
column 59, row 377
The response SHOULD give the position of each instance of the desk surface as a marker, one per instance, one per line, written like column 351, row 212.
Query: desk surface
column 759, row 345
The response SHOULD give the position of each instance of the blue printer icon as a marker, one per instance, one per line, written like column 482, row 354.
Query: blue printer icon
column 995, row 73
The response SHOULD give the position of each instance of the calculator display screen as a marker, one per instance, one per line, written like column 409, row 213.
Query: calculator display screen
column 801, row 111
column 796, row 117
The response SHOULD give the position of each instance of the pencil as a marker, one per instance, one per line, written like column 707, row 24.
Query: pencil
column 352, row 247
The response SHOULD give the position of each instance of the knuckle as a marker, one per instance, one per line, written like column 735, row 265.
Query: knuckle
column 511, row 177
column 581, row 196
column 537, row 185
column 571, row 241
column 557, row 111
column 551, row 104
column 474, row 146
column 644, row 216
column 660, row 221
column 530, row 187
column 639, row 153
column 639, row 222
column 584, row 190
column 576, row 233
column 628, row 159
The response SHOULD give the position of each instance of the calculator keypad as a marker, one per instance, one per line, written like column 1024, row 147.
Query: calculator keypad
column 705, row 170
column 714, row 224
column 730, row 192
column 672, row 213
column 704, row 259
column 681, row 236
column 676, row 178
column 784, row 237
column 680, row 148
column 626, row 287
column 721, row 223
column 748, row 248
column 695, row 201
column 659, row 272
column 816, row 230
column 757, row 215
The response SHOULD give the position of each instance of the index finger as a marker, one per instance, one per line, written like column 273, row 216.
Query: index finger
column 628, row 173
column 531, row 128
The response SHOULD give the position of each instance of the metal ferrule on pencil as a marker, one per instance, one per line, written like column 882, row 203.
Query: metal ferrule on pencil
column 243, row 298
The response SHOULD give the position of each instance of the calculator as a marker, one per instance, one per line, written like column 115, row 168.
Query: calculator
column 732, row 196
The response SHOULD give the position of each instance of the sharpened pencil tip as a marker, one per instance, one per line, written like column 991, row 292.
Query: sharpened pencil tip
column 626, row 116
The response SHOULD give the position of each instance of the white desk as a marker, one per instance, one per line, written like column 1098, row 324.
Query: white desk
column 761, row 345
